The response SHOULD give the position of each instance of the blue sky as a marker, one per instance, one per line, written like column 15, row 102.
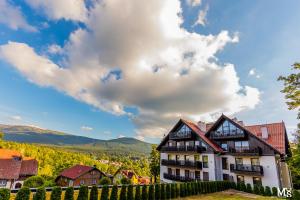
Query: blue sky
column 260, row 41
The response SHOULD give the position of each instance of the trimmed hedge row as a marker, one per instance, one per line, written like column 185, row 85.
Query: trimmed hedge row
column 145, row 192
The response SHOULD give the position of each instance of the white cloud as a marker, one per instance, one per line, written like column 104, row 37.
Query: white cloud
column 121, row 136
column 13, row 17
column 55, row 49
column 16, row 118
column 194, row 3
column 153, row 64
column 86, row 128
column 57, row 9
column 201, row 20
column 253, row 72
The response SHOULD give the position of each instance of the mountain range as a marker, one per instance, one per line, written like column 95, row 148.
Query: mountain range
column 119, row 146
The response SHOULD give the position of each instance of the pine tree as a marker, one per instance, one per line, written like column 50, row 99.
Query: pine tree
column 137, row 193
column 249, row 188
column 69, row 194
column 104, row 192
column 83, row 193
column 144, row 192
column 123, row 193
column 182, row 190
column 268, row 191
column 261, row 190
column 256, row 189
column 157, row 192
column 4, row 193
column 173, row 191
column 274, row 191
column 162, row 192
column 23, row 194
column 114, row 193
column 151, row 192
column 130, row 192
column 168, row 191
column 94, row 193
column 56, row 193
column 40, row 194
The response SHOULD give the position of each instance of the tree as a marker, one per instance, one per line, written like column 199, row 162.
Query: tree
column 56, row 193
column 1, row 135
column 40, row 194
column 114, row 193
column 83, row 193
column 144, row 192
column 157, row 191
column 151, row 192
column 105, row 181
column 137, row 193
column 69, row 194
column 34, row 182
column 23, row 194
column 130, row 192
column 123, row 193
column 94, row 193
column 104, row 193
column 154, row 163
column 4, row 194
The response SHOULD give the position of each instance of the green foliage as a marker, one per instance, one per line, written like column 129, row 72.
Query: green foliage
column 144, row 192
column 130, row 192
column 105, row 181
column 182, row 189
column 151, row 192
column 104, row 193
column 296, row 195
column 69, row 194
column 243, row 187
column 4, row 194
column 268, row 191
column 34, row 182
column 157, row 191
column 274, row 191
column 83, row 193
column 168, row 191
column 173, row 191
column 154, row 163
column 56, row 193
column 125, row 181
column 261, row 190
column 249, row 188
column 256, row 189
column 189, row 189
column 40, row 194
column 123, row 193
column 137, row 193
column 162, row 191
column 177, row 190
column 94, row 193
column 114, row 193
column 23, row 194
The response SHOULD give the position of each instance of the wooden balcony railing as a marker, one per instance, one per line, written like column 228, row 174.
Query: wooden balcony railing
column 182, row 163
column 197, row 149
column 256, row 170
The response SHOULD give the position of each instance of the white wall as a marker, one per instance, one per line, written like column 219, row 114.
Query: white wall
column 211, row 167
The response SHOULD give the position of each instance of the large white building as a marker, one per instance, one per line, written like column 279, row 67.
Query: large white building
column 226, row 150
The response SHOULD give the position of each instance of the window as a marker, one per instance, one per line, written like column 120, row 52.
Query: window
column 187, row 173
column 240, row 179
column 241, row 145
column 169, row 171
column 177, row 172
column 257, row 181
column 186, row 157
column 169, row 157
column 254, row 161
column 224, row 163
column 177, row 157
column 196, row 158
column 3, row 182
column 94, row 182
column 205, row 176
column 93, row 172
column 197, row 175
column 205, row 161
column 81, row 182
column 224, row 146
column 225, row 177
column 228, row 129
column 190, row 143
column 239, row 161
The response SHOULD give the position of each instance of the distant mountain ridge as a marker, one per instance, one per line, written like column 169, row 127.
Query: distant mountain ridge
column 30, row 134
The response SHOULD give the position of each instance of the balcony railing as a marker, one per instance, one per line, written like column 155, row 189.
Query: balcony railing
column 229, row 135
column 180, row 135
column 182, row 163
column 197, row 149
column 179, row 178
column 247, row 169
column 245, row 151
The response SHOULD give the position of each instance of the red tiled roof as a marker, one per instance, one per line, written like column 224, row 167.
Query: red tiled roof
column 276, row 134
column 10, row 168
column 7, row 154
column 29, row 166
column 75, row 171
column 128, row 173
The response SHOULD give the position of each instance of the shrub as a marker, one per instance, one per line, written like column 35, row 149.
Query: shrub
column 248, row 188
column 94, row 193
column 137, row 193
column 274, row 191
column 151, row 192
column 104, row 193
column 83, row 193
column 144, row 192
column 130, row 192
column 177, row 192
column 40, row 194
column 123, row 193
column 256, row 189
column 157, row 191
column 49, row 183
column 268, row 191
column 243, row 187
column 261, row 190
column 56, row 193
column 23, row 194
column 114, row 193
column 168, row 191
column 125, row 181
column 4, row 194
column 105, row 181
column 69, row 194
column 173, row 191
column 34, row 182
column 182, row 190
column 162, row 192
column 296, row 194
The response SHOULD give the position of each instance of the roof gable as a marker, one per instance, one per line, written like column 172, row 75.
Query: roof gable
column 76, row 171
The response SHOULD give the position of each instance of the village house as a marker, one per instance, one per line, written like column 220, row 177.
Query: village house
column 226, row 150
column 15, row 168
column 79, row 175
column 129, row 174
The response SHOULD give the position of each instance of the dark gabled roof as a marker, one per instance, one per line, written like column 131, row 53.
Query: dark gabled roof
column 76, row 171
column 10, row 168
column 29, row 166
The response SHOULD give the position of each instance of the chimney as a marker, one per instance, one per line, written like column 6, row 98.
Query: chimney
column 202, row 126
column 264, row 132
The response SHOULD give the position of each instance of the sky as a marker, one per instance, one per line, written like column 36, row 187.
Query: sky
column 105, row 69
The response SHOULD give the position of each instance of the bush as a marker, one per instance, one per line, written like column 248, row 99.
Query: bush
column 34, row 182
column 137, row 193
column 69, row 194
column 104, row 193
column 83, row 193
column 130, row 192
column 162, row 192
column 296, row 194
column 49, row 183
column 123, row 193
column 144, row 192
column 173, row 191
column 261, row 190
column 168, row 191
column 177, row 192
column 114, row 193
column 249, row 188
column 40, row 194
column 274, row 191
column 157, row 191
column 4, row 194
column 256, row 189
column 125, row 181
column 243, row 187
column 182, row 190
column 23, row 194
column 56, row 193
column 94, row 193
column 151, row 192
column 105, row 181
column 268, row 191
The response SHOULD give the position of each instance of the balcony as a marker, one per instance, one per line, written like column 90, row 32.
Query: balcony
column 185, row 149
column 182, row 163
column 179, row 178
column 255, row 170
column 230, row 135
column 245, row 151
column 180, row 135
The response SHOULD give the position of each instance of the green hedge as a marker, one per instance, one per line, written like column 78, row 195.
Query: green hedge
column 157, row 192
column 23, row 194
column 130, row 192
column 114, row 193
column 94, row 193
column 69, row 194
column 34, row 182
column 144, row 192
column 83, row 193
column 104, row 193
column 56, row 193
column 151, row 192
column 137, row 193
column 4, row 194
column 40, row 194
column 123, row 192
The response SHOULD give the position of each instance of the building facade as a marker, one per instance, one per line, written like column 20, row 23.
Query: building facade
column 226, row 150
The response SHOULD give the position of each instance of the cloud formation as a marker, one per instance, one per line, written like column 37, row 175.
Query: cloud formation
column 138, row 55
column 194, row 3
column 16, row 118
column 201, row 20
column 86, row 128
column 253, row 72
column 12, row 17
